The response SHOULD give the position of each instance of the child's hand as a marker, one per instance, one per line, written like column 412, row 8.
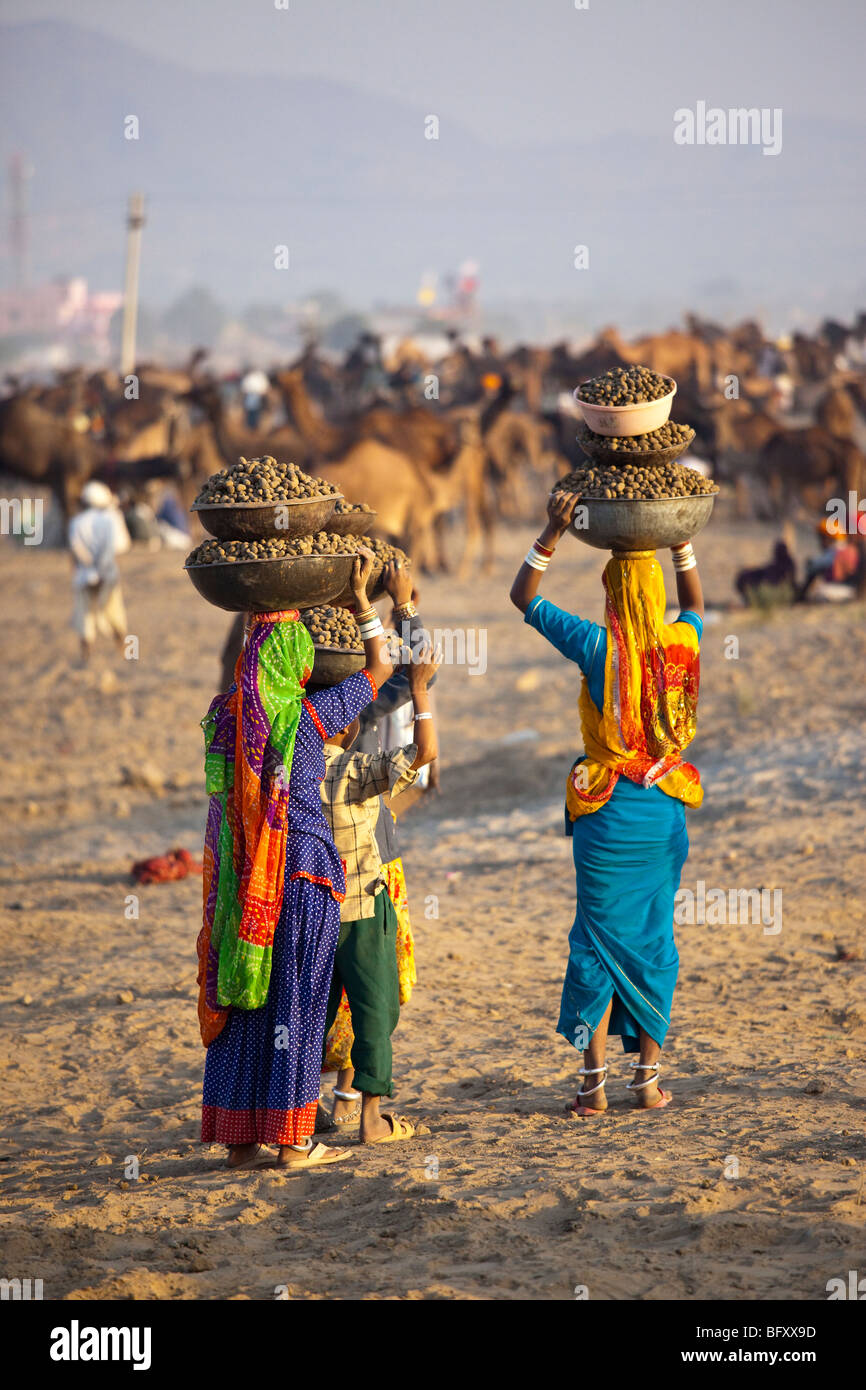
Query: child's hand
column 424, row 666
column 398, row 582
column 361, row 571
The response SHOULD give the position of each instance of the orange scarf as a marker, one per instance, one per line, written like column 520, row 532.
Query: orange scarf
column 651, row 678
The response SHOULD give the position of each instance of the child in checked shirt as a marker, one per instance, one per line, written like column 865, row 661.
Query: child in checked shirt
column 365, row 964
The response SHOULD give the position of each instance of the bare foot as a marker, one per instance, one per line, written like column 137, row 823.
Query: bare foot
column 649, row 1096
column 596, row 1102
column 242, row 1155
column 346, row 1112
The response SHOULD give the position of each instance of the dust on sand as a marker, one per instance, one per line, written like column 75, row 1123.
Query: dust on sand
column 507, row 1196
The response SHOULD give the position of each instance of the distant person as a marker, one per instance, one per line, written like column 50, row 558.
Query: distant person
column 171, row 519
column 254, row 390
column 834, row 573
column 781, row 570
column 97, row 535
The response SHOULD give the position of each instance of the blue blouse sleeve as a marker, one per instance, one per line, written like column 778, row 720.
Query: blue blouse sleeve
column 694, row 619
column 338, row 705
column 577, row 638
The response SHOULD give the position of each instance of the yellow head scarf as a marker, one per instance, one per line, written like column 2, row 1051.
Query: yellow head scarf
column 651, row 678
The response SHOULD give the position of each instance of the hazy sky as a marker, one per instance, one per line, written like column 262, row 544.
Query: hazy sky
column 228, row 163
column 516, row 70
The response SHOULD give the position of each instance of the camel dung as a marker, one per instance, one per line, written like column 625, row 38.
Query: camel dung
column 631, row 385
column 636, row 483
column 263, row 480
column 218, row 552
column 333, row 627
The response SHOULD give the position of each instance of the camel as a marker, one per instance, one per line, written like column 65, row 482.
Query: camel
column 836, row 413
column 813, row 464
column 285, row 443
column 450, row 461
column 390, row 483
column 417, row 432
column 42, row 448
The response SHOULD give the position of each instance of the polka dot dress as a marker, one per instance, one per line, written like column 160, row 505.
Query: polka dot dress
column 261, row 1079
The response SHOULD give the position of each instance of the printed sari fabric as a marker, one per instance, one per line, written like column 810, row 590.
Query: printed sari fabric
column 249, row 743
column 651, row 679
column 263, row 1065
column 338, row 1044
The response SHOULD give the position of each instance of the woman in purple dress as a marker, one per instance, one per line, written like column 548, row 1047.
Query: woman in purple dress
column 273, row 884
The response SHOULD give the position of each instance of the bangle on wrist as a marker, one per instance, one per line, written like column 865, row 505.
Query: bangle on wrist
column 423, row 714
column 405, row 610
column 545, row 549
column 536, row 558
column 683, row 557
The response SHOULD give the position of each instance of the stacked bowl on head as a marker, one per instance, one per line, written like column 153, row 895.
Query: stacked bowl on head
column 282, row 539
column 279, row 538
column 636, row 495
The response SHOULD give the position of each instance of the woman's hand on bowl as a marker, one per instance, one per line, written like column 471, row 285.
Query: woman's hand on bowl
column 560, row 511
column 361, row 571
column 398, row 582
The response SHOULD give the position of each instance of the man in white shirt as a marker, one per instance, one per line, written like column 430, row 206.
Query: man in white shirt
column 95, row 539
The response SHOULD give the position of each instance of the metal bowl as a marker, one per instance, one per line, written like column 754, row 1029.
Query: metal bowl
column 252, row 521
column 643, row 458
column 351, row 523
column 334, row 664
column 625, row 523
column 627, row 419
column 260, row 586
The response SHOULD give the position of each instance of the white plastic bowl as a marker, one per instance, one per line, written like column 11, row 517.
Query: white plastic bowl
column 628, row 419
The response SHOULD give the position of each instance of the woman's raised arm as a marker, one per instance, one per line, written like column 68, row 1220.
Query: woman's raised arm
column 689, row 590
column 560, row 510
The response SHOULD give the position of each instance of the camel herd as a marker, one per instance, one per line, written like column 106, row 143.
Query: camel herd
column 476, row 436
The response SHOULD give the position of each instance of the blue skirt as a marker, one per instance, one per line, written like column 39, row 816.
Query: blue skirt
column 628, row 857
column 263, row 1072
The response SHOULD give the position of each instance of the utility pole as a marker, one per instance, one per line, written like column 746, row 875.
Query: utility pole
column 134, row 224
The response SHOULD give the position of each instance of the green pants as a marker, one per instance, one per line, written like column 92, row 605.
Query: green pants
column 365, row 965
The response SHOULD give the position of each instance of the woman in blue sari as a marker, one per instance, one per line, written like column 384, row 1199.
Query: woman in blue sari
column 626, row 799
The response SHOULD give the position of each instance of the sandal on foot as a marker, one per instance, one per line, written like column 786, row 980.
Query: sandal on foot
column 587, row 1110
column 312, row 1156
column 665, row 1097
column 401, row 1128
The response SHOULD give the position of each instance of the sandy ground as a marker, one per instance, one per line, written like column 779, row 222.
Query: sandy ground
column 507, row 1197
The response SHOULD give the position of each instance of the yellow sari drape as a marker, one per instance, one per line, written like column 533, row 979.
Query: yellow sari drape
column 651, row 679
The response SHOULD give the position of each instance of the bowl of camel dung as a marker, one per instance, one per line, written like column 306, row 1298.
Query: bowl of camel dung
column 631, row 507
column 626, row 401
column 352, row 518
column 383, row 553
column 261, row 576
column 650, row 450
column 338, row 644
column 260, row 497
column 654, row 524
